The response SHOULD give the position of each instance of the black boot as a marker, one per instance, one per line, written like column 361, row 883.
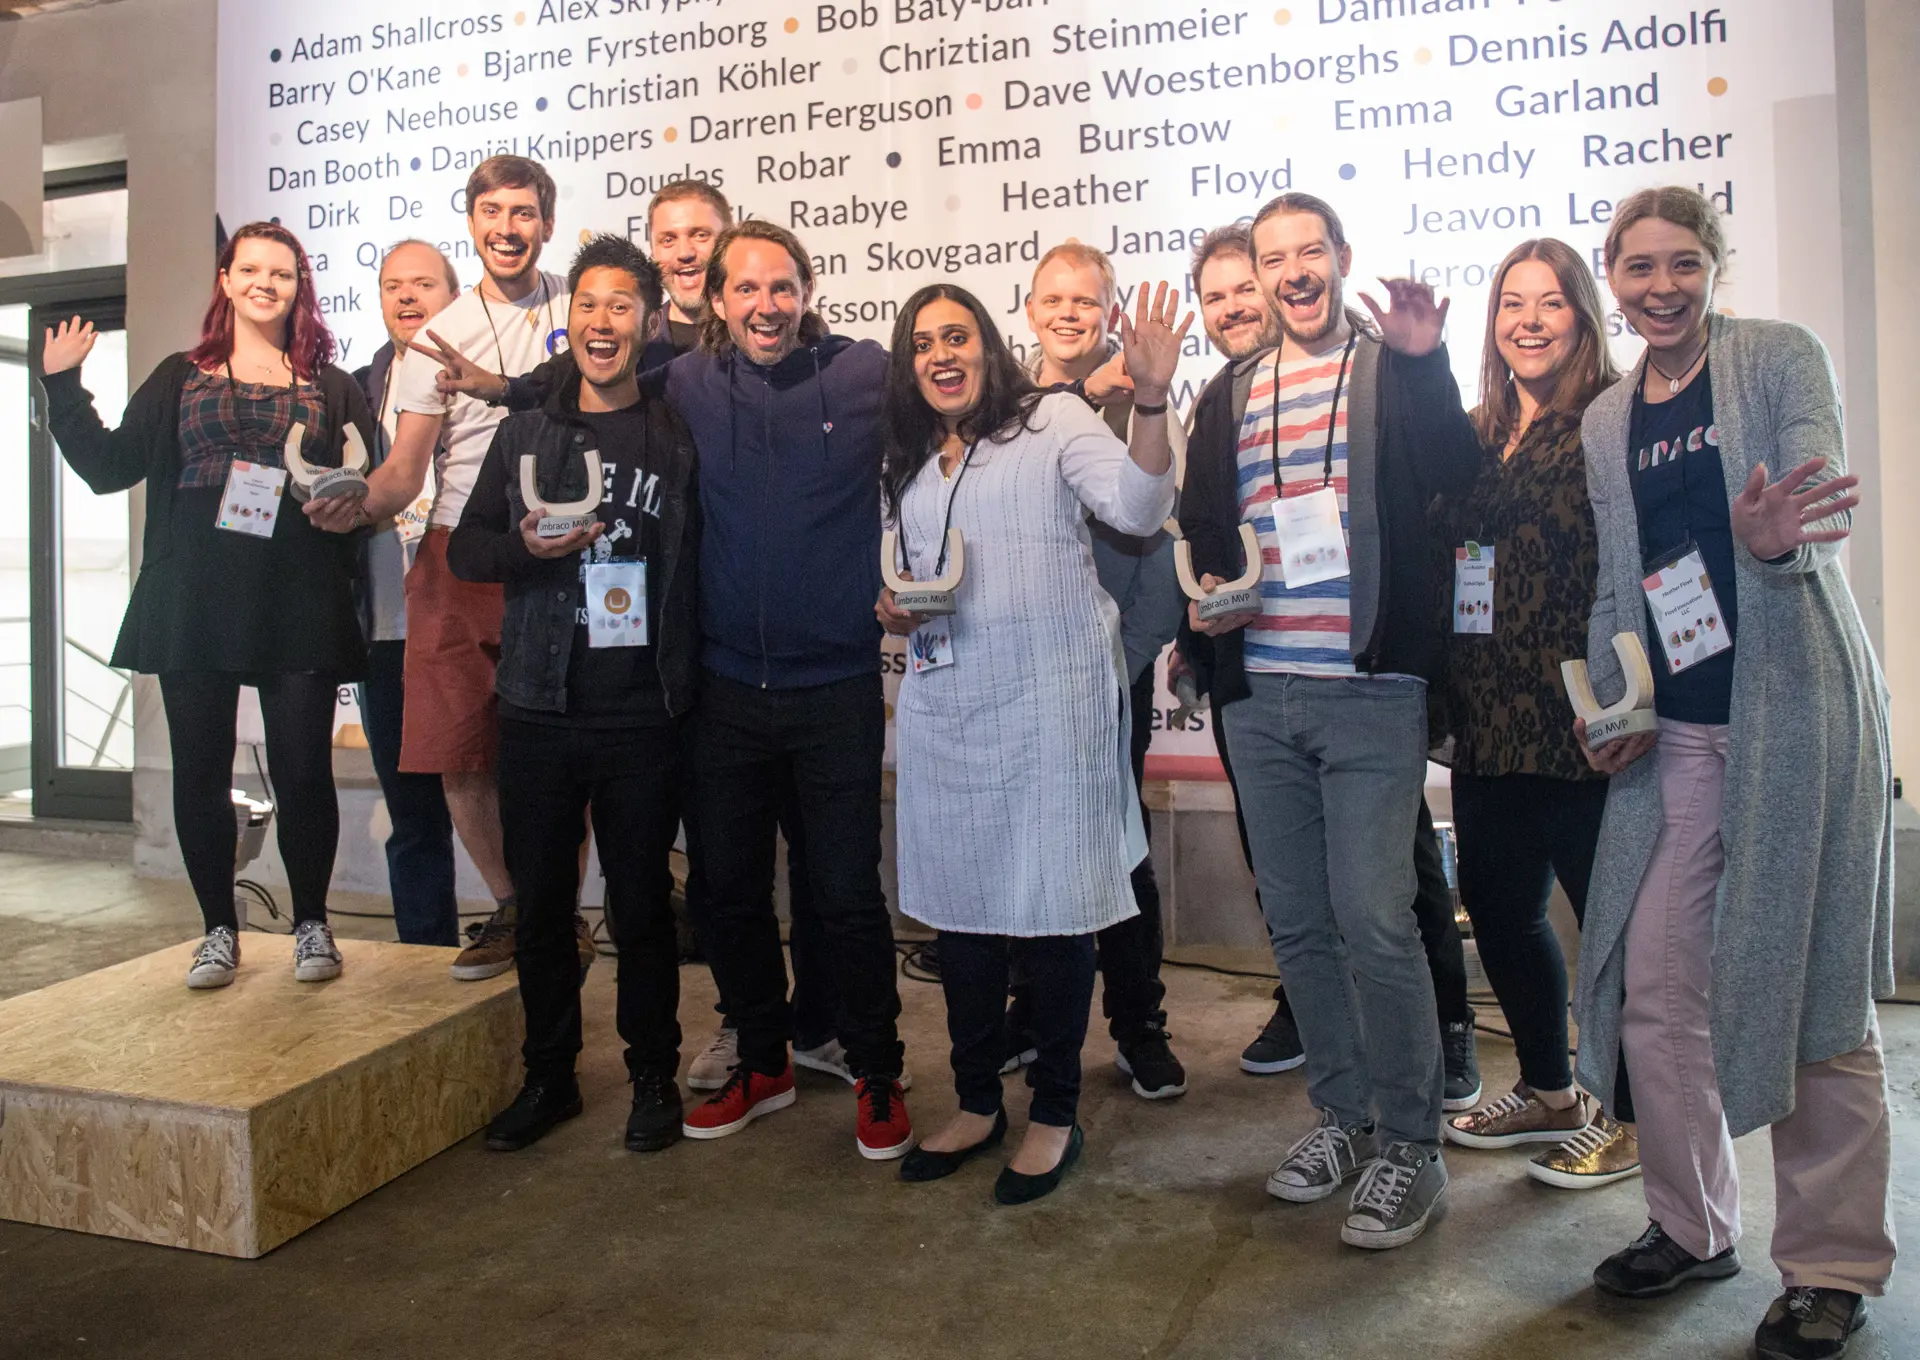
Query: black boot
column 655, row 1121
column 540, row 1107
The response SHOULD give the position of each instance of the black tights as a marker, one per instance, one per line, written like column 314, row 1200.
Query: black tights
column 298, row 709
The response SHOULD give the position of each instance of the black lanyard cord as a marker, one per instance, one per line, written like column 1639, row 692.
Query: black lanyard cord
column 1339, row 384
column 546, row 302
column 940, row 562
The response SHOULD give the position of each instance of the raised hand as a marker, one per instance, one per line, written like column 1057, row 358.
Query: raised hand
column 68, row 345
column 459, row 375
column 1770, row 521
column 1416, row 324
column 1150, row 346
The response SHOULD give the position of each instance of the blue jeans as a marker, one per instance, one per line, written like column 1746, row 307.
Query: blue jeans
column 1330, row 774
column 420, row 846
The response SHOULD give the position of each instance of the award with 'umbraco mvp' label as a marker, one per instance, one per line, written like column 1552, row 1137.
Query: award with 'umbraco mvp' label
column 1634, row 711
column 1239, row 596
column 310, row 483
column 563, row 517
column 935, row 597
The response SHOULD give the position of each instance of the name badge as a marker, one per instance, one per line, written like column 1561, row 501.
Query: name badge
column 250, row 502
column 1686, row 612
column 617, row 604
column 1313, row 546
column 1473, row 588
column 930, row 646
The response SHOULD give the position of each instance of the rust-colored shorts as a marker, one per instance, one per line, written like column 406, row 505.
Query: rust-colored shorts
column 451, row 723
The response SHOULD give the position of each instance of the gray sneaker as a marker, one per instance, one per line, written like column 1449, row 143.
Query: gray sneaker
column 1396, row 1197
column 315, row 958
column 1316, row 1166
column 216, row 960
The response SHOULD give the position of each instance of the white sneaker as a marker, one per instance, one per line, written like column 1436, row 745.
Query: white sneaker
column 315, row 957
column 714, row 1063
column 216, row 960
column 831, row 1058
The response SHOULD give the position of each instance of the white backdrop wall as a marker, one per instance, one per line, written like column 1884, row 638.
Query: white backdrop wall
column 907, row 140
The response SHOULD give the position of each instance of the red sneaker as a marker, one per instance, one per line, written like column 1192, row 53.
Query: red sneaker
column 745, row 1097
column 883, row 1131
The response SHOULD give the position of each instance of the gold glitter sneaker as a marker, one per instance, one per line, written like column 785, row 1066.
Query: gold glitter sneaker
column 1518, row 1117
column 1600, row 1154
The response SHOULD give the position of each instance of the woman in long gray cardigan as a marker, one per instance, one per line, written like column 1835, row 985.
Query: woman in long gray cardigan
column 1738, row 925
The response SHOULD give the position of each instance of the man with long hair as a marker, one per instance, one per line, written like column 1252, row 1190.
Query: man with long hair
column 1346, row 435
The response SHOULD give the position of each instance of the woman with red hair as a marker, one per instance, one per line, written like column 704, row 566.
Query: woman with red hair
column 235, row 588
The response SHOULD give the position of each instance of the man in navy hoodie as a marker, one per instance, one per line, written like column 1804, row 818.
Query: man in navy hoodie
column 788, row 423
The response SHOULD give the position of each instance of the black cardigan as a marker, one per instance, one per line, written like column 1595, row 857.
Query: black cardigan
column 146, row 447
column 1423, row 444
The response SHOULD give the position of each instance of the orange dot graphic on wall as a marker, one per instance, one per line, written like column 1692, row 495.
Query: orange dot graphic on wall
column 671, row 134
column 791, row 25
column 1717, row 86
column 1283, row 16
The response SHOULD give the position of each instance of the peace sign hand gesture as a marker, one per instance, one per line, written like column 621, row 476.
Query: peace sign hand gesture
column 1151, row 345
column 67, row 346
column 459, row 375
column 1771, row 520
column 1415, row 325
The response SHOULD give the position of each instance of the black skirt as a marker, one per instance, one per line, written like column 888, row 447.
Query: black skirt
column 214, row 600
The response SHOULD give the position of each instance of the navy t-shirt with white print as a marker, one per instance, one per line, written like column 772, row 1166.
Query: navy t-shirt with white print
column 616, row 686
column 1680, row 496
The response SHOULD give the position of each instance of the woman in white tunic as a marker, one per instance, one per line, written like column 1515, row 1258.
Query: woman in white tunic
column 1018, row 824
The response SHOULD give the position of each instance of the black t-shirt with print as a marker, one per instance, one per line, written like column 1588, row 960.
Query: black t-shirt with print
column 616, row 686
column 1680, row 496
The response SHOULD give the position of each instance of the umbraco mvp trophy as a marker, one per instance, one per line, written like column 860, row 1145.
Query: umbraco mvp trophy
column 924, row 597
column 312, row 483
column 1240, row 596
column 563, row 517
column 1634, row 712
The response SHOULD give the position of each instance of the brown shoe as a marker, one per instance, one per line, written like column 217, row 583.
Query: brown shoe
column 1600, row 1154
column 1518, row 1117
column 583, row 938
column 489, row 951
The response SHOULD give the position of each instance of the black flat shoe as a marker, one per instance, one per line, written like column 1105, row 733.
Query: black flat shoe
column 923, row 1165
column 1014, row 1187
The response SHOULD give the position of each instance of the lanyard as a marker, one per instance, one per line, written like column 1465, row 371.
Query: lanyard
column 546, row 301
column 1339, row 383
column 940, row 562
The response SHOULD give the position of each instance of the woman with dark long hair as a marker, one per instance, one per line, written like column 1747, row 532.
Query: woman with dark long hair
column 1517, row 554
column 236, row 587
column 1018, row 825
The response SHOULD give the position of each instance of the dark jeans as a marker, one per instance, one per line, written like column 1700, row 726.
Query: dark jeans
column 1432, row 905
column 817, row 749
column 816, row 1005
column 420, row 846
column 1058, row 973
column 631, row 779
column 298, row 711
column 1518, row 832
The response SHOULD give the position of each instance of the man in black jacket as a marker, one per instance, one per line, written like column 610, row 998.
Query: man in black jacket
column 1345, row 438
column 598, row 660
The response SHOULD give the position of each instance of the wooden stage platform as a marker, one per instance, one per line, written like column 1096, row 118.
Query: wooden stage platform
column 228, row 1121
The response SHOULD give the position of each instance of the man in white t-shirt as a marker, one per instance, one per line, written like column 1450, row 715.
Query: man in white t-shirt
column 514, row 320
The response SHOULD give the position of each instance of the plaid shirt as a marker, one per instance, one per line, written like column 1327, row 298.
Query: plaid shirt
column 221, row 421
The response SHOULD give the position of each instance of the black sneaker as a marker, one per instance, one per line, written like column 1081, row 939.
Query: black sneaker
column 536, row 1111
column 1462, row 1088
column 1809, row 1324
column 1156, row 1073
column 1278, row 1049
column 1656, row 1264
column 655, row 1121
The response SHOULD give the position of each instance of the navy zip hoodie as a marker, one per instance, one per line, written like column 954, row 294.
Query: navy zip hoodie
column 790, row 496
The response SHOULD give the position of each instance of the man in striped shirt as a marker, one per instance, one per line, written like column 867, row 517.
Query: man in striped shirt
column 1347, row 434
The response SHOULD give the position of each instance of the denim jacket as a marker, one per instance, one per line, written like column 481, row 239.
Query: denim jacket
column 542, row 595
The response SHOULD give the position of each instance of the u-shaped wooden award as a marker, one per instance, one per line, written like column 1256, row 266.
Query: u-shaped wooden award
column 310, row 483
column 1633, row 713
column 563, row 517
column 1240, row 596
column 924, row 597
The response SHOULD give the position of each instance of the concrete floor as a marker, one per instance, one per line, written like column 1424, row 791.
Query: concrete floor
column 782, row 1242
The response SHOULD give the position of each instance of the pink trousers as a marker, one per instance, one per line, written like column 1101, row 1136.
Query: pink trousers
column 1832, row 1157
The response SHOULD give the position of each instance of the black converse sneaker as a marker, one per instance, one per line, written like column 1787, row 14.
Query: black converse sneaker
column 1278, row 1049
column 1315, row 1166
column 216, row 960
column 1809, row 1324
column 1462, row 1088
column 1396, row 1197
column 1655, row 1264
column 315, row 956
